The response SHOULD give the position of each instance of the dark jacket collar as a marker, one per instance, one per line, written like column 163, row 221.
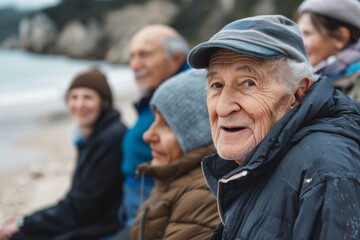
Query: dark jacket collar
column 107, row 117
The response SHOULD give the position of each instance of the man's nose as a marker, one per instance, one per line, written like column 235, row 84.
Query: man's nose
column 227, row 103
column 135, row 63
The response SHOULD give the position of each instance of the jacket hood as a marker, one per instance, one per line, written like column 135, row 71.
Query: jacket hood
column 322, row 110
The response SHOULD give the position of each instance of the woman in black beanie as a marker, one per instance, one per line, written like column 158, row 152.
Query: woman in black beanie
column 89, row 209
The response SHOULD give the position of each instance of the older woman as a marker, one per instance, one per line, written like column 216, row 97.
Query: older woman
column 288, row 158
column 331, row 31
column 181, row 206
column 89, row 209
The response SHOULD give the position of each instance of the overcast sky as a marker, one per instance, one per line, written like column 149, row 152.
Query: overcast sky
column 28, row 4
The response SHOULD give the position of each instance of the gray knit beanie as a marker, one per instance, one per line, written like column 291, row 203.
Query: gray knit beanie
column 181, row 100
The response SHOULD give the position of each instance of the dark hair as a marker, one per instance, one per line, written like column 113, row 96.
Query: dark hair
column 328, row 27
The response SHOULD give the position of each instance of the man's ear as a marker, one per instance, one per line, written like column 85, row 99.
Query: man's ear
column 304, row 85
column 179, row 59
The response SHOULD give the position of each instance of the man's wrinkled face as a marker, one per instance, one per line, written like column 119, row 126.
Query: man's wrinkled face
column 245, row 100
column 149, row 61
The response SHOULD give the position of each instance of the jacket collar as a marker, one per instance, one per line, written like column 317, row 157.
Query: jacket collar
column 144, row 100
column 107, row 117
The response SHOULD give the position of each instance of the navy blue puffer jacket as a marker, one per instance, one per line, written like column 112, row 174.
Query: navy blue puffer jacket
column 301, row 182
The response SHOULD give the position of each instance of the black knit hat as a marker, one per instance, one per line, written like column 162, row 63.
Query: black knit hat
column 96, row 80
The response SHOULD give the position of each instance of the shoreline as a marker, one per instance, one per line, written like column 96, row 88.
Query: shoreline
column 43, row 178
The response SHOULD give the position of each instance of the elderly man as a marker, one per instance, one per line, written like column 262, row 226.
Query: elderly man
column 157, row 52
column 293, row 139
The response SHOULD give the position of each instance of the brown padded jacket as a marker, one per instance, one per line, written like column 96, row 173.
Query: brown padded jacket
column 181, row 205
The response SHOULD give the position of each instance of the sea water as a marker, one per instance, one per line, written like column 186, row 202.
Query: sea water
column 33, row 85
column 28, row 79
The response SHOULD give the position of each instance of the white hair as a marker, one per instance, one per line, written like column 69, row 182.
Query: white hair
column 175, row 44
column 291, row 72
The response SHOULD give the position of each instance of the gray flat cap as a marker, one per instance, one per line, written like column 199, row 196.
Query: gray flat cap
column 264, row 36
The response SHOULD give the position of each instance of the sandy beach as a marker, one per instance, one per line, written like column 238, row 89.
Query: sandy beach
column 44, row 181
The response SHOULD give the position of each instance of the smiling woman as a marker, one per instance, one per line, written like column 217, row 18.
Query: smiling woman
column 90, row 207
column 165, row 148
column 85, row 107
column 331, row 32
column 89, row 94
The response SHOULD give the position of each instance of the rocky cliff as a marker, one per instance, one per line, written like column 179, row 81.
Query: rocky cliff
column 101, row 29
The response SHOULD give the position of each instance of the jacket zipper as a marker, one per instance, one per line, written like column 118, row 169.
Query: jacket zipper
column 217, row 194
column 143, row 217
column 141, row 229
column 224, row 181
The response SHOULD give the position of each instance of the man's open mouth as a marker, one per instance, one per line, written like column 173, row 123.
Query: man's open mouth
column 233, row 129
column 140, row 74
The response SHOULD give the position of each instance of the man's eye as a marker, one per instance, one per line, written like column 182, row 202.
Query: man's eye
column 249, row 83
column 146, row 54
column 216, row 85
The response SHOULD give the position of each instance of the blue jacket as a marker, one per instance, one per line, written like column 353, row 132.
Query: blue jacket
column 136, row 150
column 301, row 182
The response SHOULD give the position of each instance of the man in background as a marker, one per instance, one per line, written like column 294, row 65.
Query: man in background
column 157, row 52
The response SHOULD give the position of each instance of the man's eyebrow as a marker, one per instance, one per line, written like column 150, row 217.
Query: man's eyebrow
column 242, row 68
column 245, row 68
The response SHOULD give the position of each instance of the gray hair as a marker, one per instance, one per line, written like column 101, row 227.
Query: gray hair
column 291, row 72
column 175, row 44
